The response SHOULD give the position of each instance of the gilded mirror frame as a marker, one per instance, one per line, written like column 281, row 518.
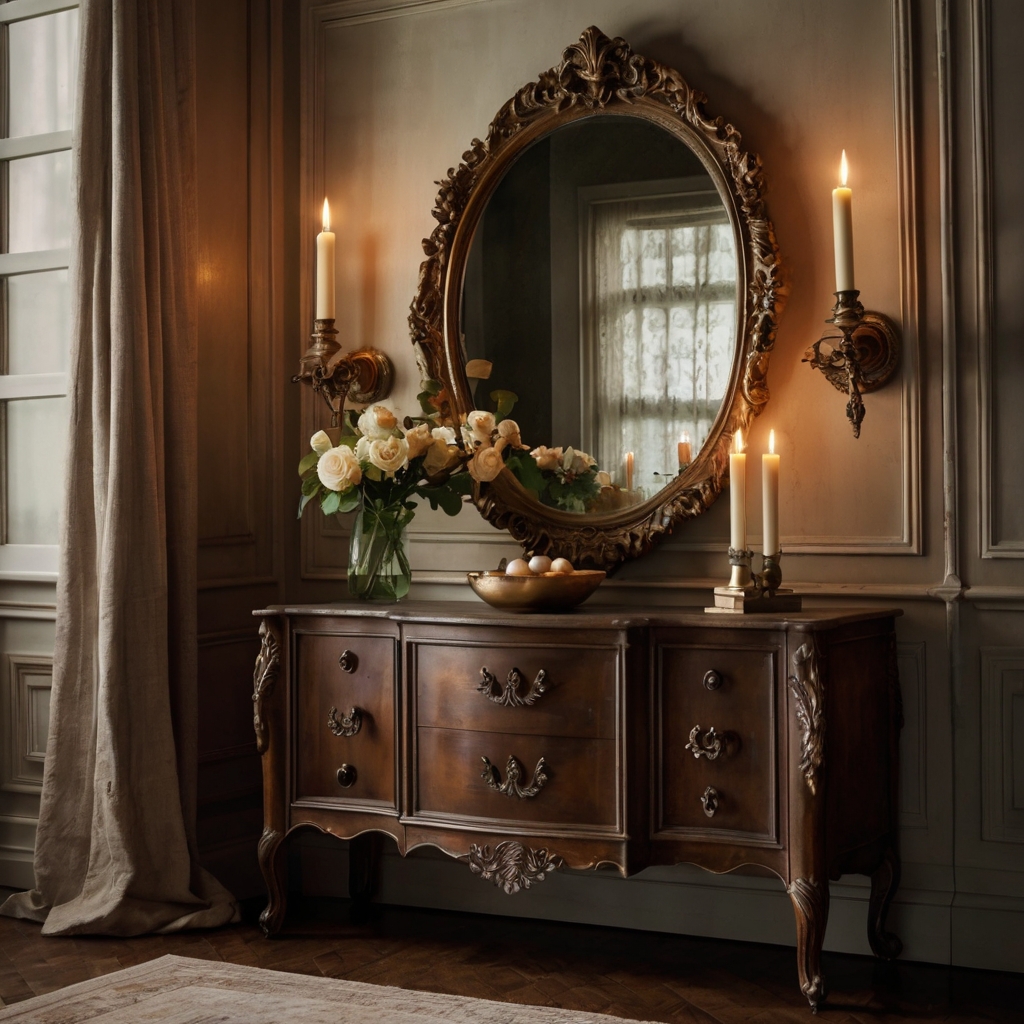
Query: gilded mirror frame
column 598, row 75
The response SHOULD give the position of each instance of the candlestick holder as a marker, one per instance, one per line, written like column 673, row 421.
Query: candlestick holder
column 861, row 357
column 365, row 376
column 754, row 592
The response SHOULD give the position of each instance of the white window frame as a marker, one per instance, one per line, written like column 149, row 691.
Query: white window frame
column 36, row 562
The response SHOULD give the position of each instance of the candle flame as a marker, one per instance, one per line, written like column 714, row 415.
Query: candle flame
column 771, row 442
column 738, row 441
column 844, row 170
column 327, row 216
column 685, row 438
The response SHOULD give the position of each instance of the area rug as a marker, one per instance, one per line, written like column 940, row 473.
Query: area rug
column 181, row 990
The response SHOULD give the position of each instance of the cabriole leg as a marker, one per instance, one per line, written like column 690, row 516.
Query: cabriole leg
column 810, row 905
column 273, row 864
column 884, row 882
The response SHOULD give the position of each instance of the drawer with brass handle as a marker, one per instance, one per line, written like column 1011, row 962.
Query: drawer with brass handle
column 736, row 688
column 574, row 781
column 345, row 715
column 549, row 690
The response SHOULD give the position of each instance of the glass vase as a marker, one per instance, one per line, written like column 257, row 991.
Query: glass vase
column 378, row 563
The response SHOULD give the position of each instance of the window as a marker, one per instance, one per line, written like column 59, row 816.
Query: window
column 662, row 296
column 39, row 49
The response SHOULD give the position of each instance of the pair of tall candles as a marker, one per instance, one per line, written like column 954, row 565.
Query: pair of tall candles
column 738, row 496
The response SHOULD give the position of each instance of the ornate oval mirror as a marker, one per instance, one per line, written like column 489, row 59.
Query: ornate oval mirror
column 606, row 251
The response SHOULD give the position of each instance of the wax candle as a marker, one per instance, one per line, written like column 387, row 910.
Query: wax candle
column 770, row 497
column 842, row 229
column 685, row 450
column 738, row 495
column 325, row 269
column 629, row 471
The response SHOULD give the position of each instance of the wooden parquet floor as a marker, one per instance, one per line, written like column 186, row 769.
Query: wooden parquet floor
column 631, row 974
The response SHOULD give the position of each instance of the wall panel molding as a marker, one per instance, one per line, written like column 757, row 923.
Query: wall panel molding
column 29, row 679
column 991, row 545
column 912, row 661
column 1002, row 744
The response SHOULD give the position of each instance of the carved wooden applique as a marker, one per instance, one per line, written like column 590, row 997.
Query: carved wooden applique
column 509, row 694
column 805, row 686
column 511, row 866
column 264, row 676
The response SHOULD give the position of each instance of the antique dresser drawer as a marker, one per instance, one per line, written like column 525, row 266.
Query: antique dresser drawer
column 553, row 689
column 715, row 721
column 571, row 783
column 345, row 719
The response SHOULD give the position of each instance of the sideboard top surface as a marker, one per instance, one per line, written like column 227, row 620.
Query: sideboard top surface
column 598, row 617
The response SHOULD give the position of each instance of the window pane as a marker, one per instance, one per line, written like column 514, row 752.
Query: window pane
column 40, row 203
column 38, row 322
column 43, row 65
column 36, row 444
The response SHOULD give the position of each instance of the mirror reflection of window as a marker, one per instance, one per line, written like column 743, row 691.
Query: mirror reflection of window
column 662, row 296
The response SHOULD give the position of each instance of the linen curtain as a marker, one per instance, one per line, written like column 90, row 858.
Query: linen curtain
column 664, row 293
column 115, row 847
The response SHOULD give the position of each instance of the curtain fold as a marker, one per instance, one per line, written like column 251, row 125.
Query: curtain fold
column 115, row 846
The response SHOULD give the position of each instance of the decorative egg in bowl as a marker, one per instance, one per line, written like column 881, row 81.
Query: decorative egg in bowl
column 520, row 588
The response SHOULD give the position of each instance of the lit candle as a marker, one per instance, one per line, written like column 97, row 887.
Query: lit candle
column 770, row 497
column 685, row 450
column 738, row 495
column 629, row 471
column 325, row 269
column 842, row 228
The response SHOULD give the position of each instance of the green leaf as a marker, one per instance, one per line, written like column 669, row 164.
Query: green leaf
column 303, row 502
column 311, row 484
column 524, row 468
column 308, row 462
column 330, row 503
column 442, row 497
column 505, row 401
column 460, row 483
column 349, row 500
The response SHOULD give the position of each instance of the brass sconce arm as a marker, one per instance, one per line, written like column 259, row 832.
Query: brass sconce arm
column 860, row 356
column 365, row 376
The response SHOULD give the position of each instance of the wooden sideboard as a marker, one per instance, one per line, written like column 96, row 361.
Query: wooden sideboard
column 625, row 737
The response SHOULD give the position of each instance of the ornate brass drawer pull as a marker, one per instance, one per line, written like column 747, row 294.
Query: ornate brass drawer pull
column 347, row 775
column 513, row 773
column 712, row 680
column 709, row 745
column 348, row 725
column 507, row 694
column 348, row 661
column 709, row 801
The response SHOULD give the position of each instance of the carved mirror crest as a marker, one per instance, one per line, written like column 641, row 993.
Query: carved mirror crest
column 680, row 336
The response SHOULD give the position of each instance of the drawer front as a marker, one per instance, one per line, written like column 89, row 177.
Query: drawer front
column 334, row 675
column 581, row 789
column 551, row 690
column 720, row 781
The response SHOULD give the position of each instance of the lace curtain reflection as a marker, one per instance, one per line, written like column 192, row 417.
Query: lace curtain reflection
column 664, row 305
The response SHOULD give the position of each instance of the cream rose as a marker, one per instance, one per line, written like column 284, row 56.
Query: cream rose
column 418, row 439
column 481, row 426
column 389, row 454
column 579, row 463
column 363, row 449
column 509, row 430
column 603, row 479
column 320, row 442
column 377, row 422
column 486, row 464
column 338, row 469
column 547, row 458
column 446, row 434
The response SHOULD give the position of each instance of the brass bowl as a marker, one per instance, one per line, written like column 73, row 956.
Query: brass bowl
column 551, row 592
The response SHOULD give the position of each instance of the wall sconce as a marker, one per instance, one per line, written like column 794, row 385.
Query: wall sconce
column 365, row 376
column 858, row 358
column 863, row 355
